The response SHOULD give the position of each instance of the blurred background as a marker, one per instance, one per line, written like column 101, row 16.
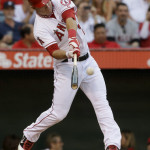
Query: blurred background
column 118, row 35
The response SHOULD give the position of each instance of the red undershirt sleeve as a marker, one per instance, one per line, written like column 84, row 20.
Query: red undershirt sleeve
column 70, row 13
column 52, row 48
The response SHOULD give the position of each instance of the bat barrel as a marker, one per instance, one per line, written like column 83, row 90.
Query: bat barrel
column 74, row 77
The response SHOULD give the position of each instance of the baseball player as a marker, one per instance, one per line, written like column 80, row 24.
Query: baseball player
column 57, row 29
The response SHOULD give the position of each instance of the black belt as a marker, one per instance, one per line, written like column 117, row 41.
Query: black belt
column 82, row 58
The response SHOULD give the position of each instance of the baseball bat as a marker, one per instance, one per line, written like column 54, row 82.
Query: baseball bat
column 74, row 77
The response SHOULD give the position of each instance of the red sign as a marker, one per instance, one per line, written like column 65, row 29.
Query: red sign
column 25, row 60
column 133, row 59
column 108, row 59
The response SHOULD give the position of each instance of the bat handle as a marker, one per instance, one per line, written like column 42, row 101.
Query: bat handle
column 75, row 59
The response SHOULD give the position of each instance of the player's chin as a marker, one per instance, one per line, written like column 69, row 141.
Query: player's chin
column 48, row 11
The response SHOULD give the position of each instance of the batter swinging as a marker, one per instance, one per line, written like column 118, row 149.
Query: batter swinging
column 57, row 29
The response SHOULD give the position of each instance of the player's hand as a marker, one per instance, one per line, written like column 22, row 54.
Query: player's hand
column 77, row 51
column 74, row 42
column 74, row 45
column 70, row 54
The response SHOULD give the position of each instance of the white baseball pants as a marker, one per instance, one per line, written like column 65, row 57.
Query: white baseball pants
column 94, row 88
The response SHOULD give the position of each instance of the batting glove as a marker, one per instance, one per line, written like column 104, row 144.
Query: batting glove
column 70, row 54
column 73, row 42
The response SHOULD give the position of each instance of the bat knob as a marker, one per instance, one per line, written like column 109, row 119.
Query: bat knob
column 74, row 86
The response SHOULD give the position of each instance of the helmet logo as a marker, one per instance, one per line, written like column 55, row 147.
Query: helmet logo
column 66, row 2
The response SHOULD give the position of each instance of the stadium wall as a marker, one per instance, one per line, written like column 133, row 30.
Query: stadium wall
column 24, row 94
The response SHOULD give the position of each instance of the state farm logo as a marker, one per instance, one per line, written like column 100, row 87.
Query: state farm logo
column 26, row 60
column 148, row 62
column 4, row 62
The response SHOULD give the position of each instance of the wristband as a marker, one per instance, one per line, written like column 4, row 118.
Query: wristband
column 52, row 48
column 71, row 33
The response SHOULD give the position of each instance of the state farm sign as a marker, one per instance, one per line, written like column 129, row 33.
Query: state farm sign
column 106, row 59
column 25, row 60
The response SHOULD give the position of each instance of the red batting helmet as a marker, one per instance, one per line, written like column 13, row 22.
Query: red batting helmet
column 38, row 3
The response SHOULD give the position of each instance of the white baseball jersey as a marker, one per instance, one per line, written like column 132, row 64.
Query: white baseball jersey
column 49, row 31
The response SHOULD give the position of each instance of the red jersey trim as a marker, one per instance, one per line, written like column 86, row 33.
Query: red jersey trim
column 52, row 48
column 47, row 16
column 50, row 44
column 70, row 13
